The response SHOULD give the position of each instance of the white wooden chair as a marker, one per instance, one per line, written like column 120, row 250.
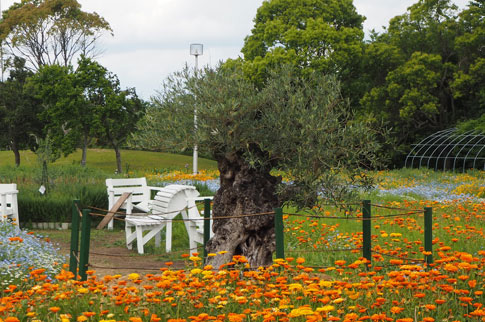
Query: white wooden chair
column 139, row 198
column 167, row 204
column 8, row 203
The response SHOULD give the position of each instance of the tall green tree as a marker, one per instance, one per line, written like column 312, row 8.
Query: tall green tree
column 297, row 124
column 423, row 72
column 47, row 32
column 315, row 35
column 86, row 104
column 118, row 111
column 18, row 111
column 67, row 120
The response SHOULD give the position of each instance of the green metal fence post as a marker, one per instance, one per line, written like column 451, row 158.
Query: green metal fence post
column 74, row 238
column 366, row 230
column 280, row 239
column 428, row 234
column 207, row 225
column 85, row 235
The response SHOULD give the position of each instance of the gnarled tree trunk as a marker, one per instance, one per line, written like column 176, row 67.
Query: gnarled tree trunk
column 243, row 190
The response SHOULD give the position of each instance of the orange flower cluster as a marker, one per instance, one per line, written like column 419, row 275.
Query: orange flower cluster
column 453, row 287
column 349, row 288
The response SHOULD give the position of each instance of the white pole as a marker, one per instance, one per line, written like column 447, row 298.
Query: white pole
column 195, row 157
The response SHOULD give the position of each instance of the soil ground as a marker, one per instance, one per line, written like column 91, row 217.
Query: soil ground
column 108, row 254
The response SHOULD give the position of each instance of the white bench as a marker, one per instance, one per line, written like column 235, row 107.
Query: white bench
column 139, row 198
column 167, row 204
column 8, row 203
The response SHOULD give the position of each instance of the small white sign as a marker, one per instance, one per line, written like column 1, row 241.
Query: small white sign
column 42, row 189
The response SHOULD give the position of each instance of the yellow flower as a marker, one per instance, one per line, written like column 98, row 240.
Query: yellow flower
column 326, row 308
column 133, row 276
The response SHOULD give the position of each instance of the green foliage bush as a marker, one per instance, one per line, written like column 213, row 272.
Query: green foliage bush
column 66, row 182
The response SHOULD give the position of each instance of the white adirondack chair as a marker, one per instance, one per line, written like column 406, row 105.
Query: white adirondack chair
column 8, row 203
column 180, row 199
column 140, row 194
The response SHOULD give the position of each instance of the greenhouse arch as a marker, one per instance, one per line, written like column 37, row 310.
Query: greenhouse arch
column 449, row 150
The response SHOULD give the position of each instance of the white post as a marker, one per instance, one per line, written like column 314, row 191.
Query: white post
column 195, row 169
column 196, row 50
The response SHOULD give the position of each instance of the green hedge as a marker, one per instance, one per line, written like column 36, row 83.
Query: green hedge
column 66, row 183
column 56, row 205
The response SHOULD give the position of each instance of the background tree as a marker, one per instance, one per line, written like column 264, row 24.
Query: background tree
column 66, row 118
column 421, row 71
column 85, row 104
column 297, row 124
column 47, row 32
column 18, row 111
column 119, row 111
column 315, row 35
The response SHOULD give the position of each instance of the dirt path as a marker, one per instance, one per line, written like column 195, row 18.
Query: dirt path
column 108, row 255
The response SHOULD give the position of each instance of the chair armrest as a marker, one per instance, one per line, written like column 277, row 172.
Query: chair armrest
column 8, row 192
column 202, row 198
column 155, row 188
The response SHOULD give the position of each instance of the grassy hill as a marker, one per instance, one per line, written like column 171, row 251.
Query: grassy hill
column 104, row 159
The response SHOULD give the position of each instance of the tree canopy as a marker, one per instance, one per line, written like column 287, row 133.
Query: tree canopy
column 18, row 111
column 85, row 104
column 315, row 35
column 46, row 32
column 423, row 73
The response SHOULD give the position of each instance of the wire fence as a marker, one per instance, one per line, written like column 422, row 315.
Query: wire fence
column 365, row 218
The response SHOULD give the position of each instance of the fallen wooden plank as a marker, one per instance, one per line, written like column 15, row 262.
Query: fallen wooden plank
column 113, row 210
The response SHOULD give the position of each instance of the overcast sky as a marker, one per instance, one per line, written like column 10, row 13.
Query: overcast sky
column 152, row 37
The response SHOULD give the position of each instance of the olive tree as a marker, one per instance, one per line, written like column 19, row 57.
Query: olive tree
column 298, row 125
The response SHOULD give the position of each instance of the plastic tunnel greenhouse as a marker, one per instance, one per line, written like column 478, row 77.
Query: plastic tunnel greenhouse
column 449, row 150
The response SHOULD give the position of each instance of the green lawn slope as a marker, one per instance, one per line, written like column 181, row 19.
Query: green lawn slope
column 105, row 159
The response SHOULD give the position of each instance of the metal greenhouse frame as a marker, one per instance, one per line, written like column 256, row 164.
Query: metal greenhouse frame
column 449, row 149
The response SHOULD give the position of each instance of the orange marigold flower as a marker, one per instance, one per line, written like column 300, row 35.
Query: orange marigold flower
column 396, row 309
column 11, row 319
column 472, row 283
column 54, row 309
column 430, row 306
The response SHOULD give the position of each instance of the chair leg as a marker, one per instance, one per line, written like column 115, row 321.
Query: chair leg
column 15, row 212
column 128, row 233
column 158, row 239
column 168, row 236
column 3, row 210
column 139, row 239
column 193, row 245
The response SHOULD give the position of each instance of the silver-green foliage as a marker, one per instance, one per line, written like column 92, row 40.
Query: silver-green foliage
column 297, row 124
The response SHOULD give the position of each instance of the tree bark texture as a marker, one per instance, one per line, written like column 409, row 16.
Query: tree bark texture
column 16, row 152
column 118, row 158
column 85, row 151
column 243, row 191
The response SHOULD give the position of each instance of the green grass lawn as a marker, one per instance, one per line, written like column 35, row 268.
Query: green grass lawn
column 105, row 159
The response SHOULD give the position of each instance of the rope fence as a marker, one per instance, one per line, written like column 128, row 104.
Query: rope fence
column 366, row 219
